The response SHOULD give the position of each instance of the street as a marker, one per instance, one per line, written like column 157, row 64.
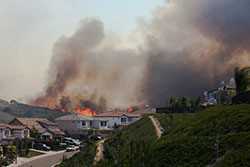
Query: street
column 47, row 160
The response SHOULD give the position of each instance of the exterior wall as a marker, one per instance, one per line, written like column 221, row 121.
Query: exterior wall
column 67, row 125
column 76, row 126
column 97, row 124
column 115, row 121
column 80, row 124
column 73, row 126
column 21, row 134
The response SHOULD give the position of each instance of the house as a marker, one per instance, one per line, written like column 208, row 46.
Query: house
column 221, row 95
column 46, row 129
column 109, row 120
column 19, row 132
column 10, row 132
column 75, row 123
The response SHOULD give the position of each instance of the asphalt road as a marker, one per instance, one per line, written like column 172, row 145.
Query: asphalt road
column 48, row 161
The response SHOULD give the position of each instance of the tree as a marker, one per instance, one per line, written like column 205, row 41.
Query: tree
column 240, row 80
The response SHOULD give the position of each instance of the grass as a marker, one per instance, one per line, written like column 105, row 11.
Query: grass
column 130, row 146
column 218, row 136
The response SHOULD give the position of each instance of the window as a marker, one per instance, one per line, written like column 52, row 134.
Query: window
column 130, row 119
column 103, row 123
column 90, row 123
column 83, row 123
column 123, row 120
column 7, row 133
column 26, row 133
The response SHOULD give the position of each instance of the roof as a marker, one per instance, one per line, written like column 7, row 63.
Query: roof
column 117, row 114
column 73, row 117
column 12, row 127
column 30, row 122
column 55, row 130
column 35, row 123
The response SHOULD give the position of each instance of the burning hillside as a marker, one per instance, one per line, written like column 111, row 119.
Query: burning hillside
column 187, row 47
column 85, row 111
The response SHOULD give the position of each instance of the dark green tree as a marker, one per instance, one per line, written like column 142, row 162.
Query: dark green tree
column 240, row 80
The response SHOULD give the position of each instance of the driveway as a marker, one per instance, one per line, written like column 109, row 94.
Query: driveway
column 47, row 160
column 99, row 152
column 157, row 126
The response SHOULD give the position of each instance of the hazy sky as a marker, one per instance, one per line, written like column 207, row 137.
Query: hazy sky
column 29, row 28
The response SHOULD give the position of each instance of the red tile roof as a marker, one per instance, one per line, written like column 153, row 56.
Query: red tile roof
column 117, row 114
column 41, row 125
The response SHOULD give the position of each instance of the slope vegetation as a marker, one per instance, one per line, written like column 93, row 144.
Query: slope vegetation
column 16, row 109
column 217, row 137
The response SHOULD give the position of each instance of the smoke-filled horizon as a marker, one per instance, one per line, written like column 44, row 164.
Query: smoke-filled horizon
column 187, row 47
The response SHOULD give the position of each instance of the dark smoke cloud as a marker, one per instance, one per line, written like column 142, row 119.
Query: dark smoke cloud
column 187, row 47
column 227, row 21
column 193, row 45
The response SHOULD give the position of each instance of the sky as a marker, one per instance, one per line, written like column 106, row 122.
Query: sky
column 29, row 28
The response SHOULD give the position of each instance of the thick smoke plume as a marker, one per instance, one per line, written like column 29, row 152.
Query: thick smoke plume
column 194, row 45
column 90, row 66
column 187, row 47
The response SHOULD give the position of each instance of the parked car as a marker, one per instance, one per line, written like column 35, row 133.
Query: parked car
column 41, row 146
column 71, row 141
column 63, row 145
column 72, row 148
column 95, row 137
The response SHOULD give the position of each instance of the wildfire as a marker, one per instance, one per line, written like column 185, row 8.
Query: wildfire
column 85, row 111
column 45, row 102
column 130, row 110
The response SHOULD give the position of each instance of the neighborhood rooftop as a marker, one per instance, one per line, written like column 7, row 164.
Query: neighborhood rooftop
column 42, row 125
column 118, row 114
column 73, row 117
column 3, row 126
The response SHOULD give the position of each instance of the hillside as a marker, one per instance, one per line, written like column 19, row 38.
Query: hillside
column 5, row 117
column 217, row 137
column 15, row 109
column 131, row 146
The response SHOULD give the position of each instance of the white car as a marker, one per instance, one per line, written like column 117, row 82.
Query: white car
column 72, row 148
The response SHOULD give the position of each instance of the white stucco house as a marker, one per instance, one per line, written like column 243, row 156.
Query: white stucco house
column 75, row 123
column 112, row 119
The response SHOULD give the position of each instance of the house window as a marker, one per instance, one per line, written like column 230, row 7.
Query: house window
column 26, row 133
column 103, row 123
column 123, row 120
column 84, row 123
column 90, row 123
column 7, row 133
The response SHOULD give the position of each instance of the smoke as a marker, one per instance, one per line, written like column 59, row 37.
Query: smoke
column 90, row 66
column 194, row 45
column 187, row 47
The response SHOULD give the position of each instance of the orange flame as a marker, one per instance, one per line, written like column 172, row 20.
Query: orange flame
column 130, row 110
column 85, row 111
